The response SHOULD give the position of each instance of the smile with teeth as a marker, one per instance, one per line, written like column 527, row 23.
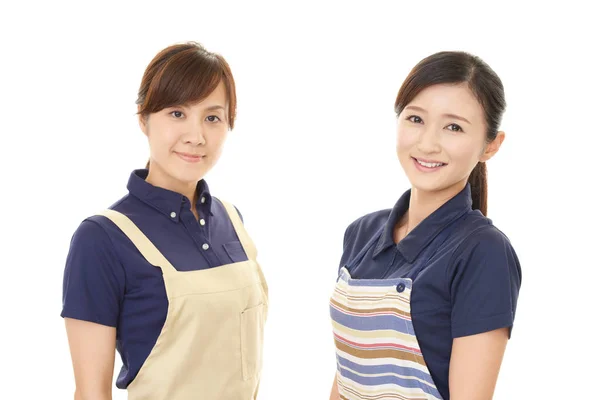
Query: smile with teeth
column 429, row 164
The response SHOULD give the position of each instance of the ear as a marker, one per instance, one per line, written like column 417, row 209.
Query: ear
column 492, row 148
column 143, row 122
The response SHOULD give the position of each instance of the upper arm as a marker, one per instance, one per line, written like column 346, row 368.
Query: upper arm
column 94, row 279
column 475, row 364
column 484, row 288
column 92, row 348
column 484, row 280
column 93, row 288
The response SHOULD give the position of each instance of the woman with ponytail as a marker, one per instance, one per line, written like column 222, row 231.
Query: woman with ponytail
column 427, row 291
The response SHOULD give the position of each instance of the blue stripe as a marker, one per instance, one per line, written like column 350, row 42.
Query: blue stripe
column 390, row 380
column 372, row 323
column 384, row 369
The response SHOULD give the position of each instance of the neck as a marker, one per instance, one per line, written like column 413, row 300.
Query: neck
column 157, row 177
column 423, row 203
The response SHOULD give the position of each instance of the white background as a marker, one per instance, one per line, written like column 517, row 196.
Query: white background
column 313, row 149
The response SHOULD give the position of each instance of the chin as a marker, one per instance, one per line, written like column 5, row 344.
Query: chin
column 427, row 187
column 188, row 176
column 431, row 186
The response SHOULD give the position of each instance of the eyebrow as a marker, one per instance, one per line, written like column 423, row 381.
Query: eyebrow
column 213, row 108
column 416, row 108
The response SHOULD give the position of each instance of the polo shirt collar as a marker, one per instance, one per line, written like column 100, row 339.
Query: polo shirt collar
column 424, row 233
column 164, row 200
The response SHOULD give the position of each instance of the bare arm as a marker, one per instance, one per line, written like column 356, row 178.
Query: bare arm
column 475, row 364
column 92, row 349
column 335, row 395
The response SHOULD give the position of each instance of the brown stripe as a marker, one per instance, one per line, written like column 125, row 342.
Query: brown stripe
column 383, row 353
column 381, row 395
column 373, row 310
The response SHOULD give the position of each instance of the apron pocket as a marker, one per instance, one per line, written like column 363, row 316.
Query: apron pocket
column 252, row 341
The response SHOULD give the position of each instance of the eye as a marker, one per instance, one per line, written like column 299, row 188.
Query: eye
column 177, row 114
column 455, row 128
column 415, row 119
column 213, row 118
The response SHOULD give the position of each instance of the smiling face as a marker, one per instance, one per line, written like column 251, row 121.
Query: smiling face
column 186, row 141
column 441, row 137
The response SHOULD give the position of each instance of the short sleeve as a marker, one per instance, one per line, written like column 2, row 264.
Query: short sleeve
column 485, row 279
column 94, row 279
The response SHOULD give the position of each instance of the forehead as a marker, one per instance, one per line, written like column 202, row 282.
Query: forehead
column 217, row 97
column 449, row 99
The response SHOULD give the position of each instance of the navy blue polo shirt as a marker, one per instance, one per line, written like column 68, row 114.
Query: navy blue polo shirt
column 108, row 281
column 470, row 285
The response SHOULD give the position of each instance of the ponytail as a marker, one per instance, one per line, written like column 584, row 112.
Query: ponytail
column 148, row 165
column 478, row 182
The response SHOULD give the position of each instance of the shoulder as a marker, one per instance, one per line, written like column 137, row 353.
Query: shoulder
column 92, row 251
column 482, row 236
column 485, row 272
column 97, row 230
column 92, row 231
column 366, row 225
column 96, row 240
column 94, row 279
column 486, row 250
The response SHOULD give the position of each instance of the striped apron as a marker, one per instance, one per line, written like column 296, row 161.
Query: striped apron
column 378, row 355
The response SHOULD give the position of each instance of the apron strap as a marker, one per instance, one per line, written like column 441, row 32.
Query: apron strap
column 141, row 241
column 245, row 239
column 238, row 225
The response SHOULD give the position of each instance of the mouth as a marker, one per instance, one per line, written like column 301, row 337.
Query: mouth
column 428, row 165
column 191, row 158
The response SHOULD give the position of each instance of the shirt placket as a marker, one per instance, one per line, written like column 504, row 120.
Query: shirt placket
column 199, row 230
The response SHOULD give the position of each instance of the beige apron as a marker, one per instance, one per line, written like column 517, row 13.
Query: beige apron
column 210, row 346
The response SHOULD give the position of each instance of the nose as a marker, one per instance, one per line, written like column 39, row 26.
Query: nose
column 429, row 140
column 195, row 133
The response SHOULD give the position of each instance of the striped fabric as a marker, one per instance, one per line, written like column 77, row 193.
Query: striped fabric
column 378, row 355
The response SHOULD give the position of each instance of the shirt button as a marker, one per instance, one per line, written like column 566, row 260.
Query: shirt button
column 202, row 222
column 203, row 200
column 400, row 288
column 173, row 214
column 205, row 246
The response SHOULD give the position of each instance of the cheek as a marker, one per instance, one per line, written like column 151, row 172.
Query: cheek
column 164, row 139
column 405, row 139
column 218, row 135
column 462, row 149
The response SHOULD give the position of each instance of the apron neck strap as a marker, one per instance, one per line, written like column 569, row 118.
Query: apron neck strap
column 238, row 225
column 141, row 241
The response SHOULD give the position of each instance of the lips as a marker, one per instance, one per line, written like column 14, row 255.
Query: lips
column 190, row 157
column 428, row 165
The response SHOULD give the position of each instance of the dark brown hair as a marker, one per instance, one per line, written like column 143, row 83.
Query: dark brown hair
column 456, row 67
column 184, row 74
